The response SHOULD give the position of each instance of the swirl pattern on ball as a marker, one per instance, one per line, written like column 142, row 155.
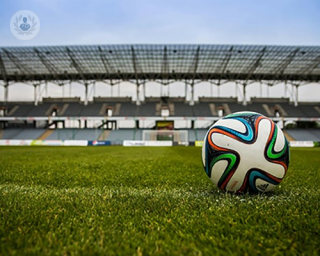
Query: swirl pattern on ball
column 245, row 151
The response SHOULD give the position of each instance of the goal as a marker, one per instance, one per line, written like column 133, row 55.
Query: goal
column 179, row 137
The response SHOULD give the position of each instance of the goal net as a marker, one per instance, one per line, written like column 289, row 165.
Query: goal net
column 177, row 136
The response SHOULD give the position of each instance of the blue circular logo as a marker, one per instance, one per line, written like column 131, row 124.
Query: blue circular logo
column 25, row 25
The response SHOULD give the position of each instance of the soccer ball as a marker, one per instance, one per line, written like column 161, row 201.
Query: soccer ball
column 245, row 152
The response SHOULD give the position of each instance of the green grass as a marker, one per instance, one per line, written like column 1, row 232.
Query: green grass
column 148, row 201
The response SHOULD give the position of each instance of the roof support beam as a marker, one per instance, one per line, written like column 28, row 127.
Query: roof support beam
column 75, row 63
column 165, row 64
column 135, row 63
column 255, row 64
column 194, row 66
column 51, row 68
column 222, row 68
column 105, row 61
column 308, row 69
column 285, row 63
column 24, row 70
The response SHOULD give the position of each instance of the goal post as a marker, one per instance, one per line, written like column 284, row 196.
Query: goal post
column 176, row 136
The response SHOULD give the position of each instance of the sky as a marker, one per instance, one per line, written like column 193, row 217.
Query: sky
column 271, row 22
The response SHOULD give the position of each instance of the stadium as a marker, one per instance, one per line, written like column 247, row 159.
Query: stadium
column 148, row 200
column 103, row 118
column 159, row 127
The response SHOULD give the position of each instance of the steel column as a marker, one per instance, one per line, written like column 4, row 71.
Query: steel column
column 244, row 101
column 35, row 95
column 46, row 88
column 86, row 94
column 236, row 89
column 192, row 94
column 285, row 89
column 186, row 91
column 296, row 98
column 138, row 93
column 144, row 90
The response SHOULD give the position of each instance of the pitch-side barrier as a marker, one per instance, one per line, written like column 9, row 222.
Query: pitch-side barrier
column 54, row 143
column 84, row 143
column 126, row 143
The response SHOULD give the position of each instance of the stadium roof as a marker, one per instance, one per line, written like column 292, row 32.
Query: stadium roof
column 160, row 62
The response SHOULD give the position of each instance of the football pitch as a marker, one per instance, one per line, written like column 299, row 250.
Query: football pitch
column 149, row 201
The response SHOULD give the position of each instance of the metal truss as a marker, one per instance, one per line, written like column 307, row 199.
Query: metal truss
column 165, row 64
column 160, row 62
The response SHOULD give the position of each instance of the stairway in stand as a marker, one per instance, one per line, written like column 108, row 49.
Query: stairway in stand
column 288, row 136
column 45, row 135
column 104, row 135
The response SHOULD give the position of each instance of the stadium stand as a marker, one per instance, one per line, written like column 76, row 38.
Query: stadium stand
column 40, row 110
column 128, row 109
column 310, row 109
column 16, row 109
column 93, row 109
column 121, row 134
column 196, row 134
column 124, row 107
column 200, row 133
column 9, row 134
column 21, row 134
column 75, row 134
column 164, row 64
column 290, row 110
column 204, row 109
column 182, row 109
column 73, row 109
column 45, row 134
column 138, row 134
column 104, row 135
column 147, row 109
column 305, row 134
column 192, row 136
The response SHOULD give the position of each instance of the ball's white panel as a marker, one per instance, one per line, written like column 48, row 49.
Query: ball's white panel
column 233, row 124
column 251, row 155
column 264, row 186
column 217, row 170
column 224, row 141
column 279, row 141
